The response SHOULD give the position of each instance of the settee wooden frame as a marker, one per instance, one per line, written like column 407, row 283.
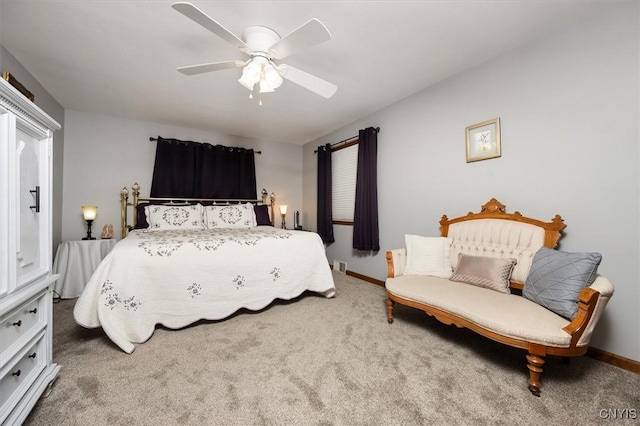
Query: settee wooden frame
column 588, row 298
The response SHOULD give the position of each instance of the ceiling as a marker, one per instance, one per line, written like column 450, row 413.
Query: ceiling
column 120, row 57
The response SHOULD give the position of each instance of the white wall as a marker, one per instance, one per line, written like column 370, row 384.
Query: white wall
column 569, row 109
column 103, row 154
column 49, row 105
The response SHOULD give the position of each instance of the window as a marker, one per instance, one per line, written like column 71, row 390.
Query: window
column 344, row 166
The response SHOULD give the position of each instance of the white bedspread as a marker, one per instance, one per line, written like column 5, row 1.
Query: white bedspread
column 177, row 277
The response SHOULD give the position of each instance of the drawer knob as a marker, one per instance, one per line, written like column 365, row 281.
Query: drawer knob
column 17, row 324
column 17, row 373
column 33, row 355
column 33, row 311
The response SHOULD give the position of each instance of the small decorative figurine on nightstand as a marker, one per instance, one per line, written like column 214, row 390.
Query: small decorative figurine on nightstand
column 107, row 231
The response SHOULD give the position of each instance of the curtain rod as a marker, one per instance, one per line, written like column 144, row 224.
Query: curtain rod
column 348, row 139
column 152, row 139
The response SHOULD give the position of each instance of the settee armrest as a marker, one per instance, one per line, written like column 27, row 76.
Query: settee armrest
column 591, row 303
column 396, row 260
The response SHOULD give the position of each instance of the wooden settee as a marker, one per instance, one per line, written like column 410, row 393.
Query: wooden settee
column 507, row 318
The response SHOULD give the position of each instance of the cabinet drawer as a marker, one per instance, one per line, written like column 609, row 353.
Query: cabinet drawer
column 21, row 323
column 20, row 374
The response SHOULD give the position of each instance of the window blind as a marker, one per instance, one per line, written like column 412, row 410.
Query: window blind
column 344, row 164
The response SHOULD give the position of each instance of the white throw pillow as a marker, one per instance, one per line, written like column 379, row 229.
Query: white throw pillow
column 161, row 217
column 230, row 216
column 428, row 256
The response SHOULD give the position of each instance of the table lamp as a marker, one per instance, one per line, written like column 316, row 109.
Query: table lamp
column 89, row 213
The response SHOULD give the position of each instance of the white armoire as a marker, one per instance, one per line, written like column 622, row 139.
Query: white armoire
column 26, row 365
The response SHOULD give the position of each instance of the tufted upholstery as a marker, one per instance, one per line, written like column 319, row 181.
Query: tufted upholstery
column 497, row 238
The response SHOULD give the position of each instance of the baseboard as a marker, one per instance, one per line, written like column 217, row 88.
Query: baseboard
column 365, row 278
column 613, row 359
column 595, row 353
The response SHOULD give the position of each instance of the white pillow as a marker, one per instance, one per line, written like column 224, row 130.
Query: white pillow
column 428, row 256
column 161, row 217
column 230, row 216
column 146, row 210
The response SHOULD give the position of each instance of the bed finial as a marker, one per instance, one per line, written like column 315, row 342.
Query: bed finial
column 124, row 199
column 272, row 203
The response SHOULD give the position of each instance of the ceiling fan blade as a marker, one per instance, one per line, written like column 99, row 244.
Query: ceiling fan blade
column 198, row 16
column 212, row 66
column 308, row 81
column 308, row 34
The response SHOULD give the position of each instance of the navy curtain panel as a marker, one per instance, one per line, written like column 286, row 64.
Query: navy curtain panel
column 325, row 202
column 366, row 234
column 199, row 170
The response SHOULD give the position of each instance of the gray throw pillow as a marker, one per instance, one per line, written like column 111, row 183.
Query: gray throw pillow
column 556, row 279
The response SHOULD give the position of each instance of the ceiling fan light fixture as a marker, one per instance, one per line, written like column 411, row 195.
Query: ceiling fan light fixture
column 262, row 71
column 272, row 76
column 251, row 74
column 246, row 82
column 265, row 87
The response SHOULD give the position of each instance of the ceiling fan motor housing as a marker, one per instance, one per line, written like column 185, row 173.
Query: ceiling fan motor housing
column 260, row 39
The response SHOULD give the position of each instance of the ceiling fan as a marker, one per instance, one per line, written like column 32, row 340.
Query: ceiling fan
column 264, row 46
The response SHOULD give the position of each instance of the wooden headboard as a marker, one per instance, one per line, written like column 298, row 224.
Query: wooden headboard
column 126, row 205
column 494, row 232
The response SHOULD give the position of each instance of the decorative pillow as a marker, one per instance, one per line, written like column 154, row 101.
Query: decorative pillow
column 262, row 215
column 490, row 272
column 230, row 216
column 556, row 279
column 163, row 217
column 427, row 256
column 142, row 211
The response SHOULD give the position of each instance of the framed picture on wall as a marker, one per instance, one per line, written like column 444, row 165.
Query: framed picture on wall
column 483, row 140
column 15, row 83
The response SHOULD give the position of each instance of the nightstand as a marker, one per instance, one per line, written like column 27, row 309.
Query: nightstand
column 75, row 262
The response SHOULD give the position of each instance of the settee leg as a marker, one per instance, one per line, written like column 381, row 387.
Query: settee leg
column 534, row 364
column 389, row 310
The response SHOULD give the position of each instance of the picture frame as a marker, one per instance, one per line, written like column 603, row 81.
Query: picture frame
column 483, row 140
column 15, row 83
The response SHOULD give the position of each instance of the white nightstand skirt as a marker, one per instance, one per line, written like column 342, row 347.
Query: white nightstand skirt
column 75, row 262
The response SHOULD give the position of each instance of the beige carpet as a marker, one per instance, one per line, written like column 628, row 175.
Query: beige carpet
column 316, row 361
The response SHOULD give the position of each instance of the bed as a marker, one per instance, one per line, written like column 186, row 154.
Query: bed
column 177, row 275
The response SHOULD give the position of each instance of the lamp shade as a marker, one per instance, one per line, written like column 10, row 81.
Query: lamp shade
column 265, row 87
column 251, row 74
column 89, row 212
column 272, row 76
column 283, row 209
column 248, row 79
